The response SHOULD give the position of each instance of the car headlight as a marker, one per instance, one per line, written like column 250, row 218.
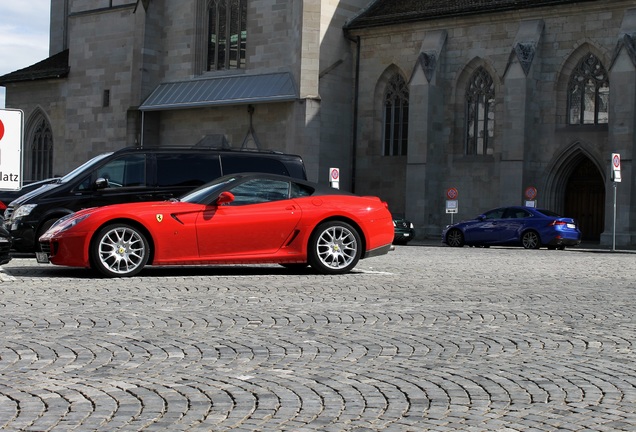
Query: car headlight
column 411, row 225
column 67, row 222
column 23, row 210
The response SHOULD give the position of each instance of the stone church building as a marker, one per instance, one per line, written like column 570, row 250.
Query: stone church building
column 501, row 102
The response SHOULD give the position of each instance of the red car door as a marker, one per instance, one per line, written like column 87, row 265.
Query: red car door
column 260, row 228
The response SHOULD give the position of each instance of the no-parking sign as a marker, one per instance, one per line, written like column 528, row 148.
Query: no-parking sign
column 11, row 128
column 616, row 167
column 452, row 193
column 334, row 177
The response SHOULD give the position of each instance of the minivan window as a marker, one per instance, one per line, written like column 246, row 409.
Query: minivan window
column 233, row 164
column 125, row 171
column 85, row 166
column 186, row 169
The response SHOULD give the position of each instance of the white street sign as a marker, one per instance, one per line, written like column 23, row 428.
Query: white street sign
column 11, row 129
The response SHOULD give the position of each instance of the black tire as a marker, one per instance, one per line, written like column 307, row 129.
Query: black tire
column 530, row 240
column 43, row 228
column 334, row 248
column 561, row 247
column 119, row 250
column 455, row 238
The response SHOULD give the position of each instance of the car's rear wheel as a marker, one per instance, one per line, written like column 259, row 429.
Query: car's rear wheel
column 119, row 250
column 531, row 240
column 334, row 248
column 455, row 238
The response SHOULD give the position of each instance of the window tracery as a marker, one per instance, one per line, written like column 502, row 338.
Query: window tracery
column 588, row 93
column 480, row 113
column 227, row 34
column 396, row 117
column 41, row 151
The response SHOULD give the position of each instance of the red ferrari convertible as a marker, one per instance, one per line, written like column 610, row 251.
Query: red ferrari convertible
column 241, row 218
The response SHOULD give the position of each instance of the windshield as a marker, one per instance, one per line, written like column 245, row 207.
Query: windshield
column 201, row 194
column 81, row 169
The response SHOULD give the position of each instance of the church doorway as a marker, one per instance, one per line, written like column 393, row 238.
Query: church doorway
column 585, row 199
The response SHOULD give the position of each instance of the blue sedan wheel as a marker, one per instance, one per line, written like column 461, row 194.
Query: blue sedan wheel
column 455, row 238
column 530, row 240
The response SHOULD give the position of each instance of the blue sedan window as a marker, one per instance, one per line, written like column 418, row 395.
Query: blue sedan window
column 495, row 214
column 517, row 214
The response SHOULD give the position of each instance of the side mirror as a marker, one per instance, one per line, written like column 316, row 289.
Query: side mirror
column 101, row 183
column 481, row 218
column 225, row 198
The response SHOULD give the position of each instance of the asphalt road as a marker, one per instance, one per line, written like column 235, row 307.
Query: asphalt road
column 425, row 339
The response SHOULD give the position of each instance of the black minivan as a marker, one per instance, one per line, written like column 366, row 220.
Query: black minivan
column 134, row 174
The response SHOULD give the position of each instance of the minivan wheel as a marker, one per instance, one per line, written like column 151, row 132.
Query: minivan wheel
column 43, row 228
column 119, row 250
column 334, row 248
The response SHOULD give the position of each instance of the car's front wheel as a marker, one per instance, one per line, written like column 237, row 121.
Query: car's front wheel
column 41, row 230
column 119, row 250
column 334, row 248
column 530, row 240
column 455, row 238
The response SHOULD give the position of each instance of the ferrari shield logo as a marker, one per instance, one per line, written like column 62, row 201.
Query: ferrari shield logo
column 159, row 218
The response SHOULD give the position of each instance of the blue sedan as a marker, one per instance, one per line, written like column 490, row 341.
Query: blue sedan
column 514, row 226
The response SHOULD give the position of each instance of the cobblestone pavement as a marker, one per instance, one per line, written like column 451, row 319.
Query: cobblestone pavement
column 424, row 339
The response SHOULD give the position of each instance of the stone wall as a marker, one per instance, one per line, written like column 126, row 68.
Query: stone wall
column 530, row 129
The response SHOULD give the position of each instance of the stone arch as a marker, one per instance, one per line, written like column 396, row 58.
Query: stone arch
column 38, row 146
column 566, row 70
column 563, row 188
column 461, row 85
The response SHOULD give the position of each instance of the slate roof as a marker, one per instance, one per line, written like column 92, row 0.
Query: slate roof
column 387, row 12
column 55, row 66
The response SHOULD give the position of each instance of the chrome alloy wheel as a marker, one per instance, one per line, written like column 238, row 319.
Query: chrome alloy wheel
column 335, row 248
column 122, row 251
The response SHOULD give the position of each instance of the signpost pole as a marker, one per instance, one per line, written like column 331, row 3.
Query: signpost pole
column 616, row 178
column 614, row 222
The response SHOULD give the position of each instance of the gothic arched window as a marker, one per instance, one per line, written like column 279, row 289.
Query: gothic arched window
column 480, row 113
column 396, row 117
column 588, row 93
column 227, row 34
column 41, row 151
